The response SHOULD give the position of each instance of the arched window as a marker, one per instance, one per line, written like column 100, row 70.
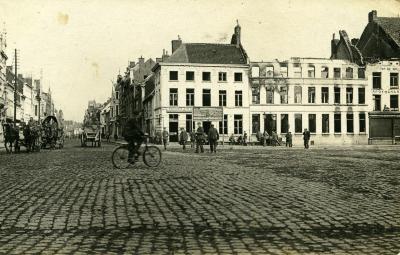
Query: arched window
column 349, row 72
column 269, row 71
column 324, row 72
column 311, row 71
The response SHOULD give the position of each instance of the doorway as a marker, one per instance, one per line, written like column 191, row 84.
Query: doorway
column 173, row 127
column 206, row 126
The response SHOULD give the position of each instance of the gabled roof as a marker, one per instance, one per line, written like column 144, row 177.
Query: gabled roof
column 391, row 26
column 208, row 53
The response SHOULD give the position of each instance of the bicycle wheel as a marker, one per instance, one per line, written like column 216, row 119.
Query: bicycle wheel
column 119, row 157
column 152, row 156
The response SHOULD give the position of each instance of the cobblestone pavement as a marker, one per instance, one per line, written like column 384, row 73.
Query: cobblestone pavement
column 238, row 201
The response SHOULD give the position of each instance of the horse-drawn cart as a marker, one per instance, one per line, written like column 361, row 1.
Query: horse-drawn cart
column 53, row 135
column 22, row 135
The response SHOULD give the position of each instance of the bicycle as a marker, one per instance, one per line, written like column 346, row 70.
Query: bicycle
column 151, row 156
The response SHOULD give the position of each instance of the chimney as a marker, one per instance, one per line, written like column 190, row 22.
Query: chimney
column 141, row 60
column 237, row 34
column 176, row 44
column 372, row 15
column 334, row 43
column 158, row 60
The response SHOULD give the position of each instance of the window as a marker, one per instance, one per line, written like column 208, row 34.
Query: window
column 311, row 71
column 336, row 72
column 255, row 123
column 206, row 97
column 117, row 110
column 189, row 122
column 255, row 71
column 376, row 80
column 362, row 122
column 224, row 125
column 269, row 71
column 298, row 123
column 297, row 94
column 350, row 123
column 173, row 75
column 36, row 110
column 394, row 80
column 297, row 70
column 324, row 95
column 190, row 76
column 284, row 70
column 349, row 95
column 312, row 124
column 283, row 91
column 311, row 95
column 284, row 123
column 377, row 102
column 394, row 102
column 270, row 95
column 238, row 124
column 349, row 73
column 337, row 122
column 325, row 123
column 255, row 95
column 361, row 73
column 238, row 76
column 173, row 97
column 116, row 95
column 325, row 72
column 336, row 91
column 206, row 76
column 361, row 95
column 238, row 98
column 222, row 76
column 270, row 123
column 222, row 98
column 189, row 97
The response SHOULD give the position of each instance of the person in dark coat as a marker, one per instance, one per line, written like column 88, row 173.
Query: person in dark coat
column 192, row 139
column 274, row 138
column 165, row 136
column 183, row 137
column 199, row 138
column 213, row 137
column 306, row 138
column 289, row 139
column 134, row 136
column 245, row 139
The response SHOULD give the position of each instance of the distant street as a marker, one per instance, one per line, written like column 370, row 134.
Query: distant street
column 245, row 200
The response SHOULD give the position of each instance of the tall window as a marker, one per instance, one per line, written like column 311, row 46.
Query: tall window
column 206, row 76
column 222, row 98
column 324, row 72
column 238, row 98
column 255, row 123
column 297, row 94
column 394, row 80
column 361, row 73
column 349, row 95
column 238, row 124
column 376, row 80
column 350, row 123
column 173, row 75
column 222, row 76
column 270, row 95
column 173, row 97
column 116, row 95
column 36, row 110
column 394, row 102
column 311, row 95
column 238, row 77
column 325, row 123
column 255, row 71
column 255, row 95
column 189, row 122
column 362, row 122
column 284, row 70
column 349, row 73
column 312, row 123
column 298, row 123
column 311, row 71
column 337, row 122
column 284, row 123
column 361, row 95
column 336, row 72
column 336, row 91
column 206, row 97
column 190, row 76
column 377, row 102
column 297, row 70
column 117, row 110
column 269, row 71
column 224, row 125
column 324, row 95
column 283, row 91
column 189, row 97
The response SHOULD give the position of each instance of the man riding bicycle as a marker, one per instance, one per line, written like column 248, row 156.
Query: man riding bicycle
column 134, row 136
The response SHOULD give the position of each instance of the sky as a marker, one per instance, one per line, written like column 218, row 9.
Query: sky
column 81, row 45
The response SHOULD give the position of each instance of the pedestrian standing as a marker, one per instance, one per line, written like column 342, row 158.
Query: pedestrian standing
column 265, row 137
column 306, row 138
column 199, row 138
column 165, row 136
column 213, row 137
column 289, row 139
column 245, row 139
column 192, row 139
column 183, row 137
column 274, row 138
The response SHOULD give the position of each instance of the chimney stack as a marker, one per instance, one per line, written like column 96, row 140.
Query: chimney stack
column 372, row 15
column 237, row 34
column 141, row 60
column 334, row 43
column 176, row 44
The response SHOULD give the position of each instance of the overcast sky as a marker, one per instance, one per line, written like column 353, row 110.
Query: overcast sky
column 81, row 45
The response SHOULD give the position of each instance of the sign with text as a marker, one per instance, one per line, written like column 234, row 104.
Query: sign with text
column 208, row 113
column 381, row 91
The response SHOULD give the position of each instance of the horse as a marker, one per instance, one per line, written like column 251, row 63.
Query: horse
column 11, row 137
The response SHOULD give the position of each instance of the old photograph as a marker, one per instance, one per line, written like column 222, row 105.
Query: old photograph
column 200, row 127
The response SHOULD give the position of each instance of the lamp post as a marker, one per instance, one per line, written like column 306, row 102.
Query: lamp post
column 38, row 98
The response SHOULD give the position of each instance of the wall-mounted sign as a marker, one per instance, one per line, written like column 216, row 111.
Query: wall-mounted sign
column 208, row 113
column 381, row 91
column 179, row 109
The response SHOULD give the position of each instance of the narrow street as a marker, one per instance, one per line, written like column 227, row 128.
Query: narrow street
column 238, row 201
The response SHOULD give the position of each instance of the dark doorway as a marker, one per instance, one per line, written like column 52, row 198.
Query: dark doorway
column 270, row 123
column 173, row 127
column 206, row 126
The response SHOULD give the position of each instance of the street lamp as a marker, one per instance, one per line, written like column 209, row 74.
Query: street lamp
column 38, row 98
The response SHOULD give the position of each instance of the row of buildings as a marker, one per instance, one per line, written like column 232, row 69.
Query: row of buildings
column 29, row 99
column 350, row 98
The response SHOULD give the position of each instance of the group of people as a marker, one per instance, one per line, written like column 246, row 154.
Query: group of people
column 198, row 138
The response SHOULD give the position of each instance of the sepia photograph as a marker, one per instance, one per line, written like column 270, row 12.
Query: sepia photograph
column 200, row 127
